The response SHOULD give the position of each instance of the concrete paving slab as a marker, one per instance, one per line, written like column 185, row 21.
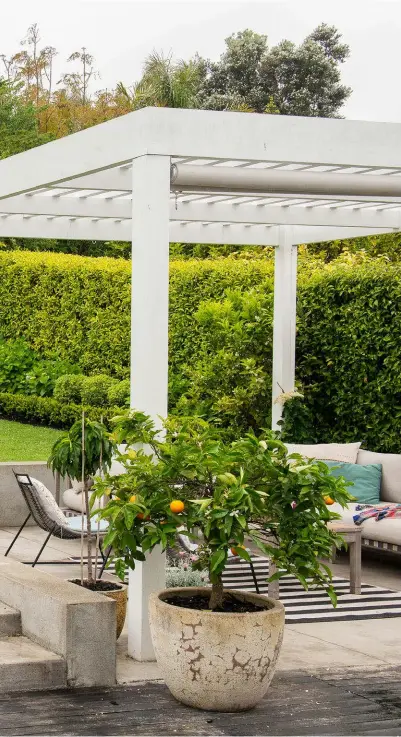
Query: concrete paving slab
column 377, row 639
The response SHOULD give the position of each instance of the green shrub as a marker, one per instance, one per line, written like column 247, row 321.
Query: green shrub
column 349, row 354
column 16, row 360
column 79, row 307
column 50, row 412
column 42, row 377
column 95, row 389
column 119, row 393
column 348, row 359
column 230, row 381
column 68, row 388
column 182, row 575
column 24, row 371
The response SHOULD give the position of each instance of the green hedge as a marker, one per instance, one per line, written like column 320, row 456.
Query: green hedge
column 348, row 338
column 348, row 358
column 80, row 307
column 45, row 411
column 349, row 354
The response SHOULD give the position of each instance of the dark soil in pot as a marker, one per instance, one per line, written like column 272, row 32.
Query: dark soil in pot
column 100, row 586
column 201, row 602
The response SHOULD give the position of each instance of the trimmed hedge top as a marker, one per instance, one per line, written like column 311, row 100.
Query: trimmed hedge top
column 79, row 307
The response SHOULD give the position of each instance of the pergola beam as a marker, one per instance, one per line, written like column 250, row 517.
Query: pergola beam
column 204, row 134
column 109, row 229
column 200, row 212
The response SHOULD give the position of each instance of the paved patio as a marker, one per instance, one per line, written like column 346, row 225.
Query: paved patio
column 319, row 648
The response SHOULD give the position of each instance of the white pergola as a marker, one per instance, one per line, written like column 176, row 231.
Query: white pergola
column 160, row 175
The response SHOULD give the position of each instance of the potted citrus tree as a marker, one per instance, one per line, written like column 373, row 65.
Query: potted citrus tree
column 82, row 452
column 217, row 649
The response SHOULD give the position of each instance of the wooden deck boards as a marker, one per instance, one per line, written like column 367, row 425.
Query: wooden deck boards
column 296, row 704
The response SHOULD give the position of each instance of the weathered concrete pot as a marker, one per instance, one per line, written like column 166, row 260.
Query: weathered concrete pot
column 214, row 660
column 120, row 597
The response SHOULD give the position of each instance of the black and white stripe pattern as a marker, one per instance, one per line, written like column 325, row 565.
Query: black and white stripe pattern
column 314, row 605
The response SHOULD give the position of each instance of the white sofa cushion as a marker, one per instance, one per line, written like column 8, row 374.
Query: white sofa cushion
column 391, row 473
column 345, row 452
column 388, row 530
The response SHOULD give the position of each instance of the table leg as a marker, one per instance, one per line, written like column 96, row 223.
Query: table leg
column 355, row 552
column 273, row 590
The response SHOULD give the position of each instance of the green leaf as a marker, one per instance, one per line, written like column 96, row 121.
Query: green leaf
column 216, row 559
column 243, row 553
column 129, row 516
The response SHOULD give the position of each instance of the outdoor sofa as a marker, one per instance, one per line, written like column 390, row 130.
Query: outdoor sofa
column 384, row 534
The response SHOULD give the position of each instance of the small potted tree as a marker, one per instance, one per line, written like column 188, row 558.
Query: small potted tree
column 81, row 453
column 217, row 649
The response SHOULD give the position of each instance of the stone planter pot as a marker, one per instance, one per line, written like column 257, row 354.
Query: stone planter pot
column 118, row 593
column 214, row 660
column 120, row 597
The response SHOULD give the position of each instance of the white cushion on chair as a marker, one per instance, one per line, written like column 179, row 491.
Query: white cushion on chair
column 49, row 503
column 76, row 501
column 72, row 500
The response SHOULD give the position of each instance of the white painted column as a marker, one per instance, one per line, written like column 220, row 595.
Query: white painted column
column 149, row 353
column 284, row 324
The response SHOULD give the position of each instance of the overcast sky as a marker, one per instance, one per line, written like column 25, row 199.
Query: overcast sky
column 120, row 34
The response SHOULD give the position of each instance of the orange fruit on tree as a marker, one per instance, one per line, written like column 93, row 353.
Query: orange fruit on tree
column 235, row 550
column 177, row 506
column 328, row 500
column 133, row 499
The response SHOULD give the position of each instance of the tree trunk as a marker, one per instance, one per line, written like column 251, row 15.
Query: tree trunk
column 216, row 598
column 91, row 579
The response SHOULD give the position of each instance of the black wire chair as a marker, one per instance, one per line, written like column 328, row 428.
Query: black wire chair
column 49, row 524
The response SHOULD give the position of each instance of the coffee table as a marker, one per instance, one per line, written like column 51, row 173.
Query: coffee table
column 352, row 535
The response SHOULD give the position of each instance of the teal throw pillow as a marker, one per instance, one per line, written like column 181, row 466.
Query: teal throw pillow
column 366, row 479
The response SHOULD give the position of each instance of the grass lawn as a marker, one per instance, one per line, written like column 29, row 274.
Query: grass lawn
column 19, row 442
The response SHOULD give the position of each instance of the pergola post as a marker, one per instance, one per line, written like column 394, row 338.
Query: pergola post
column 284, row 321
column 149, row 353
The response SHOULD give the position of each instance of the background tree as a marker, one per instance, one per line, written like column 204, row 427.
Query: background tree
column 297, row 80
column 166, row 83
column 19, row 128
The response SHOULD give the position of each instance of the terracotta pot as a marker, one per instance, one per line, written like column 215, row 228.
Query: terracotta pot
column 215, row 660
column 120, row 597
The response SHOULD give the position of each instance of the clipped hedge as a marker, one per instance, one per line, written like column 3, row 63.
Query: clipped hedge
column 349, row 354
column 50, row 412
column 79, row 307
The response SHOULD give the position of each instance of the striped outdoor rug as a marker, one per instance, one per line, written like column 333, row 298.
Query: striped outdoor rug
column 314, row 605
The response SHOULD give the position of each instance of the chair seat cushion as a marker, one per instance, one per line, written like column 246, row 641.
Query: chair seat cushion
column 388, row 530
column 75, row 524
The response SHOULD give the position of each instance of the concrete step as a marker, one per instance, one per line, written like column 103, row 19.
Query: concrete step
column 10, row 621
column 25, row 666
